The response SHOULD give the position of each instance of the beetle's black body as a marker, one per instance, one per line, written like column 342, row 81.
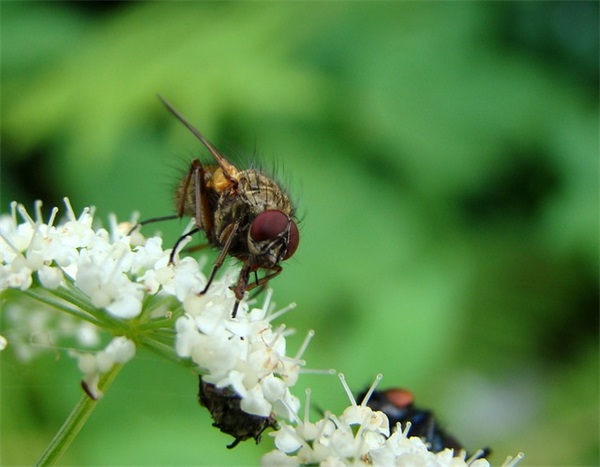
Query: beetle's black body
column 224, row 407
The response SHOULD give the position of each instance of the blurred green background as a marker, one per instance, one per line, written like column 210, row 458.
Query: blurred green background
column 444, row 158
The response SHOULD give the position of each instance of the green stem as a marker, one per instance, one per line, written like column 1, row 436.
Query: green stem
column 76, row 420
column 75, row 297
column 50, row 301
column 158, row 324
column 162, row 349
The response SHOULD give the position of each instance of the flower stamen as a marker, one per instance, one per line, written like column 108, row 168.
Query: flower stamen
column 284, row 310
column 25, row 215
column 70, row 213
column 52, row 217
column 347, row 389
column 371, row 390
column 38, row 211
column 309, row 335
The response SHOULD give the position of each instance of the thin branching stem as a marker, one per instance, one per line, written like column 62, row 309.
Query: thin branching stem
column 67, row 433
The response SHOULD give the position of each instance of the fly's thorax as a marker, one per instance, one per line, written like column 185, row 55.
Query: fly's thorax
column 254, row 194
column 263, row 193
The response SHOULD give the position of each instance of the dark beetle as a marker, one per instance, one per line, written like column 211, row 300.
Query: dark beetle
column 224, row 406
column 398, row 405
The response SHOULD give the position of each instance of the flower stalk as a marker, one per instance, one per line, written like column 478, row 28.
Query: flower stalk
column 76, row 420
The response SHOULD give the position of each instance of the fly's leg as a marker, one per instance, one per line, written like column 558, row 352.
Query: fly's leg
column 243, row 285
column 232, row 231
column 264, row 280
column 203, row 213
column 202, row 208
column 151, row 221
column 179, row 240
column 239, row 288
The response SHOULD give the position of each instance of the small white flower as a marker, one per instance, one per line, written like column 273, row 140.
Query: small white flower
column 120, row 349
column 51, row 278
column 93, row 365
column 278, row 458
column 102, row 276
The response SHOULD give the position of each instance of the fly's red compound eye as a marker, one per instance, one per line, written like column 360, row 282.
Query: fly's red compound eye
column 293, row 241
column 269, row 225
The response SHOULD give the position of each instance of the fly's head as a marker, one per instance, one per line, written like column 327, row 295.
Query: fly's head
column 272, row 237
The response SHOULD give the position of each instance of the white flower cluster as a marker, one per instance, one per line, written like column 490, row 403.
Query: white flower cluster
column 35, row 328
column 360, row 436
column 244, row 353
column 116, row 272
column 105, row 267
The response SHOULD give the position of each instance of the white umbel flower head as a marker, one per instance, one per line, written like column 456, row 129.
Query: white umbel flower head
column 101, row 267
column 246, row 353
column 99, row 278
column 116, row 272
column 360, row 436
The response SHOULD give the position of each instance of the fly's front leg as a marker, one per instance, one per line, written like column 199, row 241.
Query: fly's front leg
column 276, row 270
column 243, row 284
column 150, row 221
column 179, row 240
column 228, row 240
column 240, row 288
